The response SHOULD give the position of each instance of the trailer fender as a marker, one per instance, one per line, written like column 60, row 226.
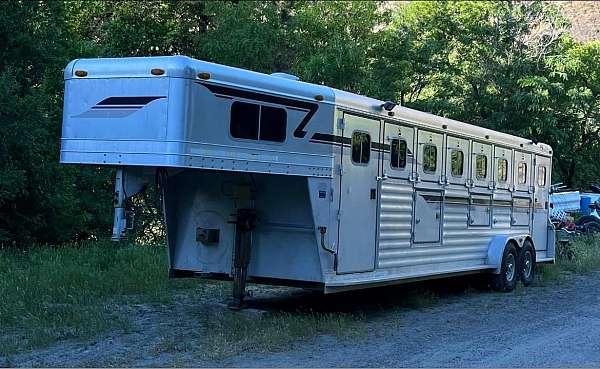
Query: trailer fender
column 496, row 249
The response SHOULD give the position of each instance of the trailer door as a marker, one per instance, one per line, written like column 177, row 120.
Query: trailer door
column 358, row 195
column 540, row 203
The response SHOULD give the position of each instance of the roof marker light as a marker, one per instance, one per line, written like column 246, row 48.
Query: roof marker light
column 81, row 73
column 204, row 75
column 319, row 97
column 157, row 71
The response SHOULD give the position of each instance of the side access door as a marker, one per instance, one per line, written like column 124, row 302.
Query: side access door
column 358, row 195
column 429, row 185
column 541, row 205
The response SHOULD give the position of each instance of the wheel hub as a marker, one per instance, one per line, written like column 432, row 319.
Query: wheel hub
column 527, row 264
column 510, row 268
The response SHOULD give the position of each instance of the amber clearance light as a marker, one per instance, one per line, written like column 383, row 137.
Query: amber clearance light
column 157, row 71
column 81, row 73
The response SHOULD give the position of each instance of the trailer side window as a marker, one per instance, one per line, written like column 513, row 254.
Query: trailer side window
column 457, row 159
column 272, row 124
column 502, row 170
column 429, row 158
column 244, row 120
column 541, row 176
column 522, row 173
column 480, row 166
column 398, row 157
column 256, row 122
column 361, row 147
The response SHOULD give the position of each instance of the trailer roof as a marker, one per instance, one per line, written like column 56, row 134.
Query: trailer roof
column 186, row 67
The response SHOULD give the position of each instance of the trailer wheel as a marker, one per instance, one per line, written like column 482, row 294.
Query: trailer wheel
column 527, row 263
column 507, row 279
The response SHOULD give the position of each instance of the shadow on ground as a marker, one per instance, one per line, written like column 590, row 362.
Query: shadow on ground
column 367, row 301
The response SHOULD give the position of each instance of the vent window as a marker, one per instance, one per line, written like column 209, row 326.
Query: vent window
column 257, row 122
column 361, row 147
column 522, row 173
column 480, row 166
column 457, row 159
column 541, row 176
column 398, row 159
column 429, row 158
column 502, row 170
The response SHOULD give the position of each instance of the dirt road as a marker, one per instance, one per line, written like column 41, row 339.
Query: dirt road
column 554, row 325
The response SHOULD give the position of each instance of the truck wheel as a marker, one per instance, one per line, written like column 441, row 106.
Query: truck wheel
column 526, row 263
column 507, row 279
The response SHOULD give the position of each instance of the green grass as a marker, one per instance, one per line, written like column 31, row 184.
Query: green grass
column 51, row 294
column 580, row 256
column 79, row 291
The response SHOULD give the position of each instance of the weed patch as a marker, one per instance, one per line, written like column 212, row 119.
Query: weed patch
column 51, row 294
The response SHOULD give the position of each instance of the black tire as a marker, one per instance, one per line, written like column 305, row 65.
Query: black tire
column 591, row 227
column 526, row 263
column 585, row 219
column 507, row 279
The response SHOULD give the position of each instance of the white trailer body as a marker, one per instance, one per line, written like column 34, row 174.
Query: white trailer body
column 303, row 183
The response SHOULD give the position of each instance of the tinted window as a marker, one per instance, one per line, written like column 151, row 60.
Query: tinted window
column 429, row 158
column 502, row 170
column 361, row 147
column 272, row 124
column 244, row 120
column 480, row 166
column 457, row 159
column 522, row 173
column 253, row 122
column 541, row 176
column 398, row 159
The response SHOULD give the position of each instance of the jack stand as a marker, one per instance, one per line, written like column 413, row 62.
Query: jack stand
column 120, row 221
column 244, row 225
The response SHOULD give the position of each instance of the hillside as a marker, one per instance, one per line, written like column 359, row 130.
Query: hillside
column 584, row 17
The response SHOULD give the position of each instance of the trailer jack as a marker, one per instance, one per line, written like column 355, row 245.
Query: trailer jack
column 244, row 225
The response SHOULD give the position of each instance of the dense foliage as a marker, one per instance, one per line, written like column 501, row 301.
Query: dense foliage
column 510, row 66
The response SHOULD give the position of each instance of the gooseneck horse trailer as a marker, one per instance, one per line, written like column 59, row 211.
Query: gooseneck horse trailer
column 269, row 179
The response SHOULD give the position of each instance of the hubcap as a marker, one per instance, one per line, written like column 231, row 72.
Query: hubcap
column 510, row 267
column 527, row 264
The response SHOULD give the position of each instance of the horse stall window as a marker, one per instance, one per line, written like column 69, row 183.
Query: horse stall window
column 522, row 173
column 480, row 166
column 502, row 170
column 256, row 122
column 429, row 158
column 398, row 156
column 457, row 158
column 361, row 147
column 541, row 176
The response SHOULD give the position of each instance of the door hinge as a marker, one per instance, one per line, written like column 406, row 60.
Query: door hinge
column 341, row 123
column 339, row 215
column 340, row 169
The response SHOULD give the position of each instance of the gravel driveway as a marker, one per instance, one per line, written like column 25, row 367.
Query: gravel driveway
column 554, row 325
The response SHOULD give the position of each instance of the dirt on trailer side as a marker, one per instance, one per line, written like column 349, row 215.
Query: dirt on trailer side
column 556, row 324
